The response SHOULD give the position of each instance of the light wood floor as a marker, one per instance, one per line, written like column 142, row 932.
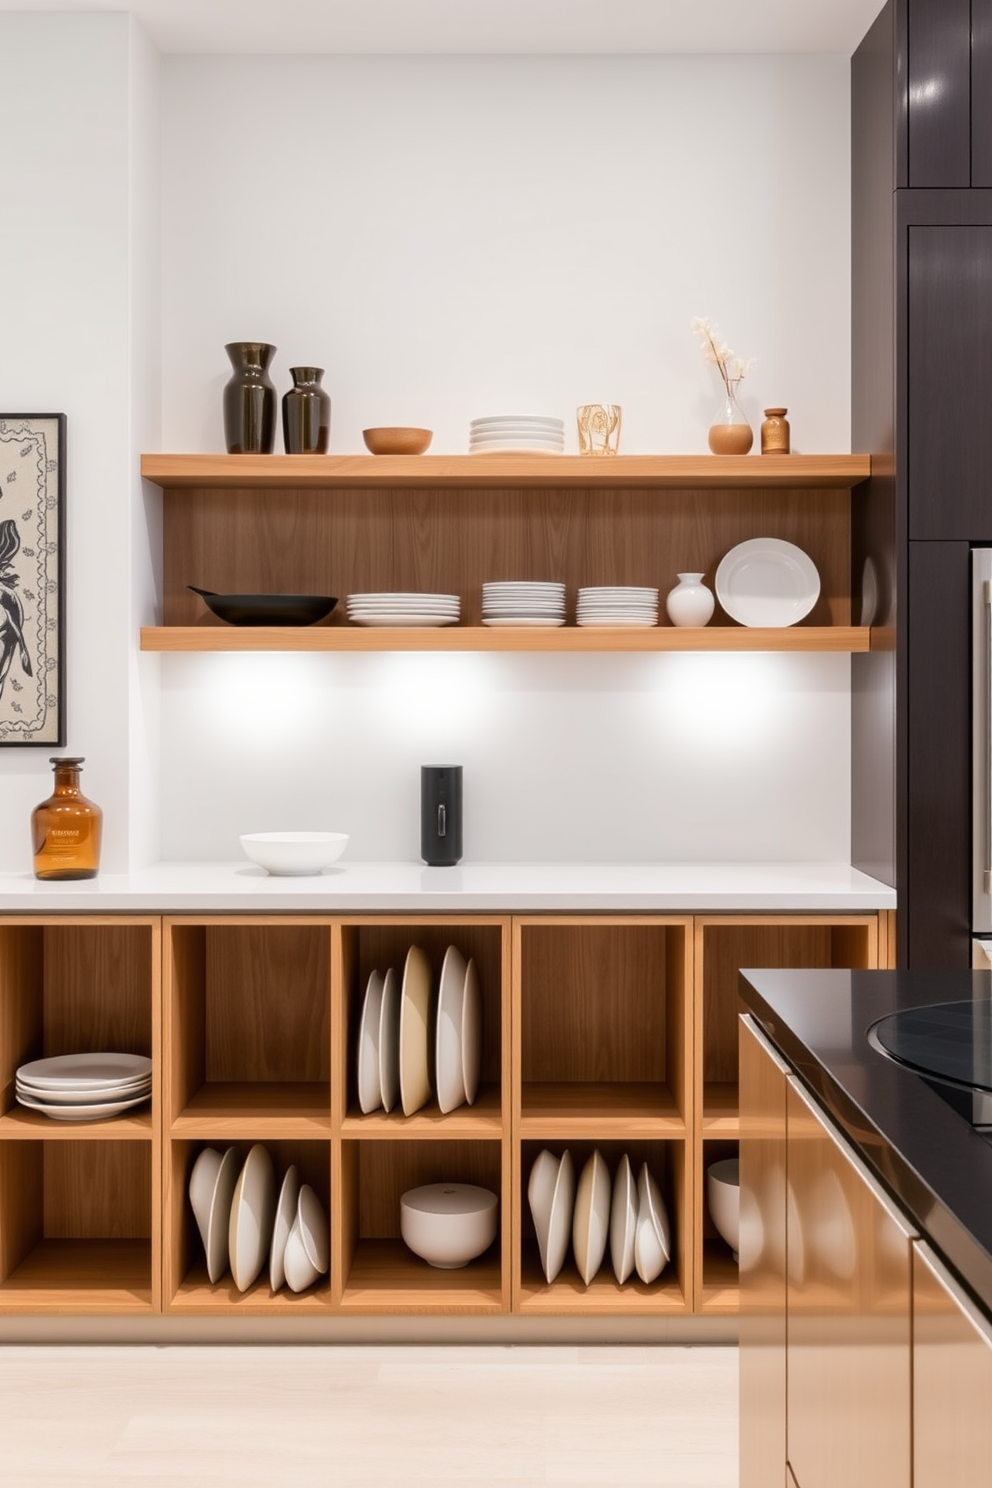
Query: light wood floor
column 368, row 1417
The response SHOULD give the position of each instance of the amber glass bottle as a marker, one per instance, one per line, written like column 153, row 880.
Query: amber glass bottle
column 66, row 828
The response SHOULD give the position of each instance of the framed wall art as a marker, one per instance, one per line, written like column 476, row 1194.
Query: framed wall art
column 32, row 574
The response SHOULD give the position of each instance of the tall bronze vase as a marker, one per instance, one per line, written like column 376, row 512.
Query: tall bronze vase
column 250, row 400
column 306, row 413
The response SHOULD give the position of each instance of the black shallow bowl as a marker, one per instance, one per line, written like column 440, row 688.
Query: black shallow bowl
column 267, row 609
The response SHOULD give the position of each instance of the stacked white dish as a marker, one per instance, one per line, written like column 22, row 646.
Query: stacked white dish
column 403, row 609
column 617, row 605
column 523, row 603
column 629, row 1219
column 407, row 1029
column 84, row 1087
column 516, row 434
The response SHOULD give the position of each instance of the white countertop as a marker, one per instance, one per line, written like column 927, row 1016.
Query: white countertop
column 177, row 888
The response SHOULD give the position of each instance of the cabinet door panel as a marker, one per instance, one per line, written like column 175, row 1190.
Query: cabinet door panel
column 939, row 93
column 952, row 1380
column 950, row 382
column 981, row 92
column 848, row 1331
column 762, row 1261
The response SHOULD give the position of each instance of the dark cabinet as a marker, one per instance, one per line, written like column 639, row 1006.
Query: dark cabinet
column 938, row 72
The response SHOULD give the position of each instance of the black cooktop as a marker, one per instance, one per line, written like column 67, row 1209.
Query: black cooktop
column 949, row 1041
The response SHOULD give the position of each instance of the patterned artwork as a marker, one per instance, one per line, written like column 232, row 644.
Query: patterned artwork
column 32, row 485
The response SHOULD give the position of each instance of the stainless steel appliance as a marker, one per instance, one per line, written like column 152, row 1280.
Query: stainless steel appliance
column 981, row 693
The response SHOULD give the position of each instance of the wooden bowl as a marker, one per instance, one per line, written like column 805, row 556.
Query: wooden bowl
column 397, row 441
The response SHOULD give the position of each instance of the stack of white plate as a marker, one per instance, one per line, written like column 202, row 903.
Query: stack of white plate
column 404, row 609
column 517, row 433
column 84, row 1087
column 617, row 606
column 523, row 604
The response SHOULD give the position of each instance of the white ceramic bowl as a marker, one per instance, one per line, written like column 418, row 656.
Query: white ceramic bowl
column 294, row 854
column 723, row 1196
column 448, row 1224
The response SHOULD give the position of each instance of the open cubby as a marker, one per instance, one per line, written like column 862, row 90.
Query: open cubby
column 247, row 1027
column 187, row 1287
column 666, row 1161
column 76, row 1231
column 75, row 987
column 370, row 945
column 377, row 1271
column 604, row 1027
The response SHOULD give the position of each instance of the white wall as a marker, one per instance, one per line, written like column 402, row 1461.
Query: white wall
column 450, row 237
column 65, row 119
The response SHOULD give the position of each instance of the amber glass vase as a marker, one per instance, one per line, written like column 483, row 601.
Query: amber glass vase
column 66, row 829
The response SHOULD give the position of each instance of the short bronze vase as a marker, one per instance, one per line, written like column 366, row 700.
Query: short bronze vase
column 249, row 400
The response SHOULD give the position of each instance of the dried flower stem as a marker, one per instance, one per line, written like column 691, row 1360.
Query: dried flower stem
column 730, row 367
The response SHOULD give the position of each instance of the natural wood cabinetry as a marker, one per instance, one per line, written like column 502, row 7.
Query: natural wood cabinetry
column 347, row 524
column 608, row 1031
column 952, row 1378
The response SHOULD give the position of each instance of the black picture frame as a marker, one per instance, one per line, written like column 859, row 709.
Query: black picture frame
column 32, row 580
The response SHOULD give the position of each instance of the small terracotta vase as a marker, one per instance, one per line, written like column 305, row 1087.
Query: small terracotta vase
column 775, row 432
column 730, row 432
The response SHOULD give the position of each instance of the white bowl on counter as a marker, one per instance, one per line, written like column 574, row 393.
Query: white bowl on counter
column 294, row 854
column 448, row 1224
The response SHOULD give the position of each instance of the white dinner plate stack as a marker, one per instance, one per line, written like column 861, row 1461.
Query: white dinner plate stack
column 617, row 606
column 523, row 604
column 404, row 609
column 84, row 1087
column 517, row 434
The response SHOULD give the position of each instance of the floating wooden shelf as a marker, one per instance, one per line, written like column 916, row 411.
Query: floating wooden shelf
column 568, row 638
column 327, row 471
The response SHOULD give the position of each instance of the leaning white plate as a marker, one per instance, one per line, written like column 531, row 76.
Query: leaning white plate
column 77, row 1069
column 389, row 1041
column 767, row 581
column 415, row 1015
column 289, row 1194
column 623, row 1220
column 217, row 1242
column 591, row 1219
column 369, row 1087
column 253, row 1212
column 471, row 1032
column 540, row 1196
column 101, row 1112
column 448, row 1055
column 562, row 1206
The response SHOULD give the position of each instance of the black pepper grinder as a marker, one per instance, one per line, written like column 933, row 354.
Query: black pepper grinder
column 441, row 815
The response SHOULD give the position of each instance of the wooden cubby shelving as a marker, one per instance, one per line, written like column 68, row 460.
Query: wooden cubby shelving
column 608, row 1031
column 340, row 524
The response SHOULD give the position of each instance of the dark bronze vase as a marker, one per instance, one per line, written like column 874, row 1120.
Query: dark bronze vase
column 250, row 400
column 306, row 413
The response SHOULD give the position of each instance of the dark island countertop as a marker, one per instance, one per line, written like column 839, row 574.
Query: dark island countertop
column 927, row 1154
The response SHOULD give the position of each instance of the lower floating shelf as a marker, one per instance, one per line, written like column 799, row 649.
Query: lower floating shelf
column 386, row 1277
column 567, row 638
column 89, row 1276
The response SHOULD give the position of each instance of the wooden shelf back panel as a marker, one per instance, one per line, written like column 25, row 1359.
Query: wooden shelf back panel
column 21, row 1002
column 22, row 1208
column 379, row 946
column 97, row 1190
column 267, row 1005
column 597, row 1004
column 470, row 472
column 81, row 1276
column 732, row 946
column 313, row 541
column 98, row 989
column 385, row 1170
column 385, row 1277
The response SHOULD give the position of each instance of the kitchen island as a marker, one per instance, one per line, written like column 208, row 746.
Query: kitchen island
column 866, row 1234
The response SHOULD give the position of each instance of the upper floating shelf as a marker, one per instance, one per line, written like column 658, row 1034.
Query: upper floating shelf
column 718, row 472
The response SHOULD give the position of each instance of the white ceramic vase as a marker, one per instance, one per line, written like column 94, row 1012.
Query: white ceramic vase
column 690, row 602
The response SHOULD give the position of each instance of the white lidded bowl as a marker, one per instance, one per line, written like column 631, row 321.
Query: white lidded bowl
column 723, row 1197
column 294, row 854
column 448, row 1224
